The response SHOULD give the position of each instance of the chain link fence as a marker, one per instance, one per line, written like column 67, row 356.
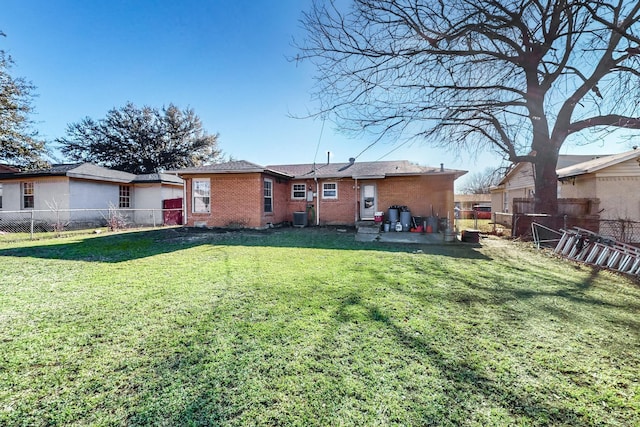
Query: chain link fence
column 622, row 230
column 30, row 224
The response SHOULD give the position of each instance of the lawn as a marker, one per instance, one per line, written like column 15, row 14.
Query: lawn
column 306, row 327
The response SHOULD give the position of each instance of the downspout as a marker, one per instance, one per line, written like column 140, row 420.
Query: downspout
column 184, row 203
column 356, row 202
column 315, row 178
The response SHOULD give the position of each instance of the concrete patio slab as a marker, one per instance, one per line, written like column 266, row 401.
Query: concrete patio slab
column 405, row 237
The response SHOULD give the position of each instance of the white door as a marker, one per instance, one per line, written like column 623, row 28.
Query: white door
column 368, row 202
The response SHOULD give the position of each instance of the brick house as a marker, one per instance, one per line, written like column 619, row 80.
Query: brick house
column 244, row 194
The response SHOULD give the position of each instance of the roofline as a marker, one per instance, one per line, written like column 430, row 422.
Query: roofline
column 234, row 171
column 623, row 158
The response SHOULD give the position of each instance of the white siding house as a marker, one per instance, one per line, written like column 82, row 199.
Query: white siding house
column 69, row 191
column 519, row 183
column 613, row 179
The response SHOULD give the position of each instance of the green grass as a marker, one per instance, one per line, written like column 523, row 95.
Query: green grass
column 309, row 328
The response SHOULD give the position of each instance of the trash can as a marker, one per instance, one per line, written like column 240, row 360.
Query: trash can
column 393, row 214
column 405, row 220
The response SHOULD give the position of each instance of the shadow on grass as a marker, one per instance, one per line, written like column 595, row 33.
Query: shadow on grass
column 465, row 377
column 114, row 248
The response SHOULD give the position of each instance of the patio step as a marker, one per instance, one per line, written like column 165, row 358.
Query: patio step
column 367, row 227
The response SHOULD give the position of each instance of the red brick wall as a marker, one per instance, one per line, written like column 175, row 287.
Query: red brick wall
column 281, row 196
column 237, row 199
column 421, row 194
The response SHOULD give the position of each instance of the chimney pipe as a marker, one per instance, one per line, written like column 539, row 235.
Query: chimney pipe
column 441, row 167
column 328, row 155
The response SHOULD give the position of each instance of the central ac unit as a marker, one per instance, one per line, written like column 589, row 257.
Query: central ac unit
column 299, row 219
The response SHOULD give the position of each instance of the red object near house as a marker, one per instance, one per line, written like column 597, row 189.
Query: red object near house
column 482, row 211
column 172, row 213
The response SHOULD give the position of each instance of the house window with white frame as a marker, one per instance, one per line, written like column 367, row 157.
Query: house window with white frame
column 201, row 188
column 268, row 196
column 28, row 195
column 298, row 191
column 330, row 190
column 124, row 201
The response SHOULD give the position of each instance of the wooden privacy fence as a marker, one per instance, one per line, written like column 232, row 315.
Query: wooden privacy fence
column 574, row 212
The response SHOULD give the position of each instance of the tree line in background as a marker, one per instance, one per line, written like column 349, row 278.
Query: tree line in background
column 480, row 182
column 19, row 143
column 141, row 140
column 131, row 139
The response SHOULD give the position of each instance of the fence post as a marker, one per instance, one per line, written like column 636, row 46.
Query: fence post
column 31, row 234
column 153, row 213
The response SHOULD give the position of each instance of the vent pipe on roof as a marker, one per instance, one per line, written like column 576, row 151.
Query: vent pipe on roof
column 352, row 160
column 441, row 167
column 328, row 155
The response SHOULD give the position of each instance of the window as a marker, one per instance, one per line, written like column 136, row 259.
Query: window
column 125, row 196
column 268, row 196
column 200, row 189
column 298, row 191
column 330, row 190
column 28, row 195
column 0, row 196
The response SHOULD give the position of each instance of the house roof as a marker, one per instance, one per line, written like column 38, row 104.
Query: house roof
column 472, row 198
column 564, row 161
column 164, row 178
column 235, row 166
column 8, row 168
column 94, row 172
column 358, row 170
column 362, row 170
column 596, row 164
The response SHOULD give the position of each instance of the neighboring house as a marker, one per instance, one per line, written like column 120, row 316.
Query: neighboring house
column 63, row 189
column 519, row 182
column 244, row 194
column 614, row 180
column 8, row 169
column 465, row 204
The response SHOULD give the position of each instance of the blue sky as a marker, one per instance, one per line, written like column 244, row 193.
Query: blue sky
column 226, row 59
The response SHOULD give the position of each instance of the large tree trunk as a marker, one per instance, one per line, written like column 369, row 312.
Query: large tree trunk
column 546, row 182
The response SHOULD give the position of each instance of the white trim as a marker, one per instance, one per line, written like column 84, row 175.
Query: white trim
column 269, row 196
column 324, row 190
column 293, row 191
column 206, row 197
column 23, row 194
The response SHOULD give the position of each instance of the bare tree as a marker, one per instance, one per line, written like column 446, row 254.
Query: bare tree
column 516, row 76
column 480, row 182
